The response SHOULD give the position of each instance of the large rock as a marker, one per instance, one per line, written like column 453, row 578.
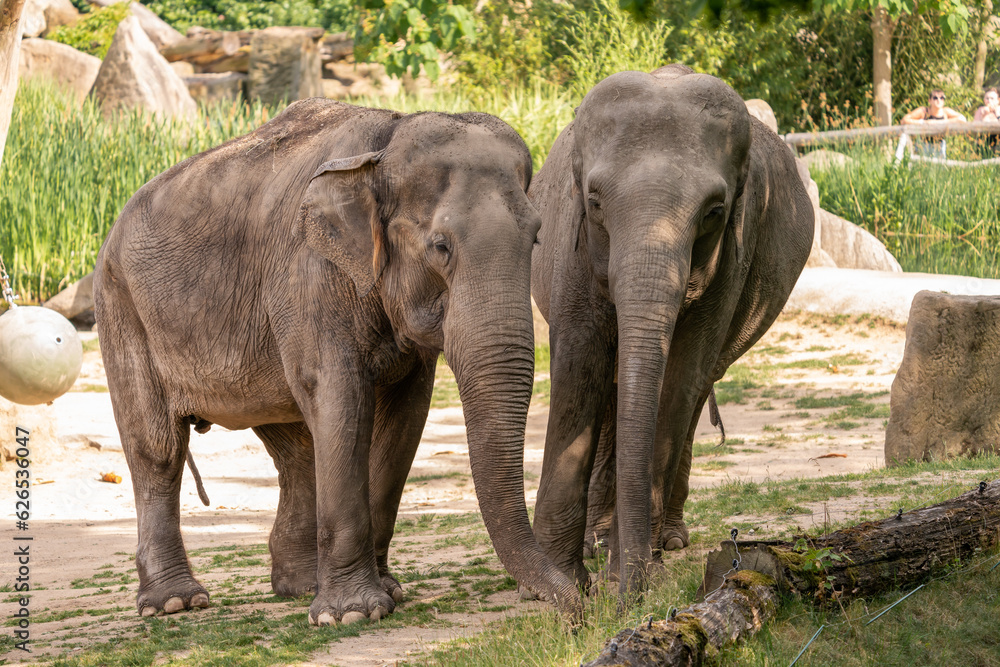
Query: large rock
column 824, row 159
column 40, row 17
column 134, row 74
column 851, row 247
column 285, row 64
column 158, row 30
column 67, row 67
column 762, row 111
column 945, row 398
column 75, row 299
column 214, row 88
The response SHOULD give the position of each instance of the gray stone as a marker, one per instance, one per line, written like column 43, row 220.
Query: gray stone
column 285, row 64
column 60, row 63
column 42, row 16
column 213, row 88
column 945, row 399
column 824, row 159
column 158, row 30
column 762, row 111
column 851, row 247
column 75, row 299
column 182, row 69
column 135, row 75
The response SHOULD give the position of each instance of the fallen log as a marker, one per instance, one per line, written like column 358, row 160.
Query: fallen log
column 743, row 580
column 208, row 45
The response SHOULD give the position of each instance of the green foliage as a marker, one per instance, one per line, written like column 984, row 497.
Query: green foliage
column 93, row 33
column 334, row 15
column 67, row 172
column 422, row 28
column 517, row 42
column 932, row 219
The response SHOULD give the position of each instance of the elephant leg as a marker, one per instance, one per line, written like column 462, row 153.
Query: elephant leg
column 582, row 370
column 673, row 532
column 400, row 415
column 338, row 403
column 155, row 443
column 601, row 489
column 293, row 537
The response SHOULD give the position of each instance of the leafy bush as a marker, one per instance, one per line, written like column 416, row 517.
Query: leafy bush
column 334, row 15
column 93, row 33
column 405, row 35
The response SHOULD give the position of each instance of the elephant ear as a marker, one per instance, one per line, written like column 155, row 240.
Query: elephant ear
column 339, row 215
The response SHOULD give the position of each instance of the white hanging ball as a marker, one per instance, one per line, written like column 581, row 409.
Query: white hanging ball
column 40, row 355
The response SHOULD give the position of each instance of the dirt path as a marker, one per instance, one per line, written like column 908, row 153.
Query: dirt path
column 813, row 387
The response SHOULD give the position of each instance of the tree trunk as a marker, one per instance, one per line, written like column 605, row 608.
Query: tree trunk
column 868, row 559
column 985, row 30
column 10, row 51
column 882, row 27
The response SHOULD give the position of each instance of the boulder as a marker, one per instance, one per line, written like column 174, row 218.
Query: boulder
column 762, row 111
column 158, row 30
column 67, row 67
column 824, row 159
column 945, row 399
column 285, row 64
column 851, row 247
column 183, row 69
column 134, row 74
column 213, row 88
column 41, row 16
column 75, row 299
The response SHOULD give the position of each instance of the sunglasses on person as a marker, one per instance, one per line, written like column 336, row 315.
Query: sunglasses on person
column 937, row 97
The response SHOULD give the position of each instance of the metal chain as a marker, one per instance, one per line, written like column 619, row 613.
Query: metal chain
column 8, row 293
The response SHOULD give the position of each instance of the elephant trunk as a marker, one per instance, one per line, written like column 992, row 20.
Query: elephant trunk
column 489, row 345
column 648, row 288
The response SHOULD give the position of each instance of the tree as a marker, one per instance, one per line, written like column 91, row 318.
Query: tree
column 10, row 50
column 407, row 34
column 953, row 18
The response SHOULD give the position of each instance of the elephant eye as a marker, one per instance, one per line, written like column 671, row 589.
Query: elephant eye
column 440, row 244
column 715, row 218
column 593, row 202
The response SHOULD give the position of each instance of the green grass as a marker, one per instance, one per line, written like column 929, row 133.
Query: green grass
column 932, row 219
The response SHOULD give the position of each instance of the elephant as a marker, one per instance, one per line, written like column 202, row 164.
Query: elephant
column 302, row 281
column 674, row 227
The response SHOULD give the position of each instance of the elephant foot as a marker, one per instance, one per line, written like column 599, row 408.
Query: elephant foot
column 673, row 538
column 171, row 598
column 293, row 584
column 392, row 587
column 345, row 605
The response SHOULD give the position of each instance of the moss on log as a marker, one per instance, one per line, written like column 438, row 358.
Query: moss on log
column 861, row 561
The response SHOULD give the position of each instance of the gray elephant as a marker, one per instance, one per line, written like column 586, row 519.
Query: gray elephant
column 673, row 229
column 301, row 281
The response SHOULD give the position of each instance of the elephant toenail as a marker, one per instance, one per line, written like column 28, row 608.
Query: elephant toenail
column 353, row 617
column 199, row 600
column 397, row 595
column 312, row 619
column 148, row 611
column 673, row 544
column 173, row 605
column 326, row 618
column 379, row 613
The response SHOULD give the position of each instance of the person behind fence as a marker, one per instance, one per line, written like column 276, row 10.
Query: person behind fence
column 990, row 113
column 934, row 112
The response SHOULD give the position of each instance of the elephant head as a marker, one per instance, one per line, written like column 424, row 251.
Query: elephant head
column 431, row 219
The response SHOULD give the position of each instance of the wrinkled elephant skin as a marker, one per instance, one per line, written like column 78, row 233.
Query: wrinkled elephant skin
column 302, row 281
column 674, row 227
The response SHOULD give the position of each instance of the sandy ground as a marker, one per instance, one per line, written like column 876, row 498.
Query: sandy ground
column 80, row 524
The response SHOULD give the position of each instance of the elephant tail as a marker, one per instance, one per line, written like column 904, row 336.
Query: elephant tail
column 197, row 480
column 713, row 416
